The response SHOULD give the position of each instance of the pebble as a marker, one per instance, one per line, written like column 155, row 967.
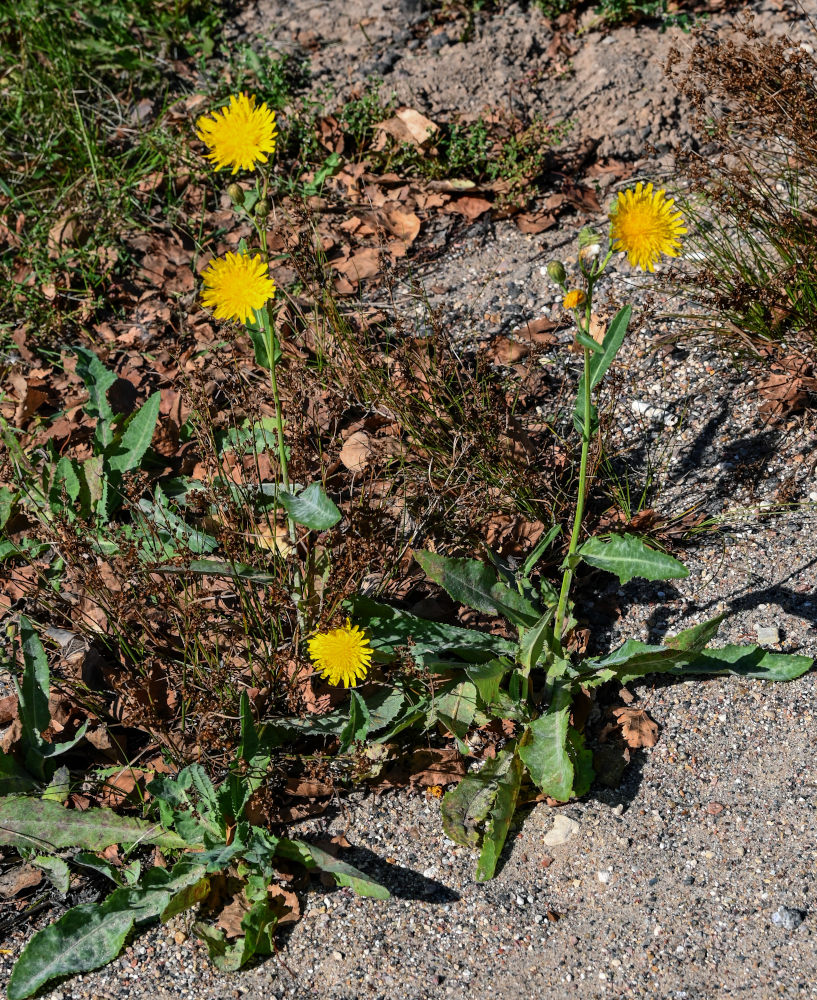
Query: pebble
column 788, row 918
column 767, row 635
column 563, row 829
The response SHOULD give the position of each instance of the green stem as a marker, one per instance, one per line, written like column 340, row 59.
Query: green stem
column 265, row 316
column 567, row 579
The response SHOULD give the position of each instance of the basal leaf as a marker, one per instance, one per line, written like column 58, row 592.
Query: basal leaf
column 543, row 747
column 499, row 819
column 344, row 874
column 33, row 692
column 466, row 807
column 627, row 556
column 749, row 661
column 35, row 823
column 488, row 677
column 98, row 379
column 312, row 508
column 534, row 641
column 84, row 938
column 695, row 638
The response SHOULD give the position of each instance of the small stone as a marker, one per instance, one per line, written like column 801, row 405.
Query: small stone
column 338, row 956
column 767, row 635
column 788, row 918
column 179, row 937
column 604, row 877
column 563, row 829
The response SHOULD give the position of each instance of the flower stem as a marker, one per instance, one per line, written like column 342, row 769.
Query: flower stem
column 577, row 520
column 266, row 318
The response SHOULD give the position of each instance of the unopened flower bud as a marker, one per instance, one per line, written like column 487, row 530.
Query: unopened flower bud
column 236, row 193
column 588, row 237
column 262, row 208
column 556, row 270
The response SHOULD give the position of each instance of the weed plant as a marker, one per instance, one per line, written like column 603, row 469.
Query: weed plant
column 752, row 196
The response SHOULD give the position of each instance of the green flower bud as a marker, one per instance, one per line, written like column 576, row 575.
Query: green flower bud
column 588, row 237
column 236, row 193
column 262, row 208
column 556, row 270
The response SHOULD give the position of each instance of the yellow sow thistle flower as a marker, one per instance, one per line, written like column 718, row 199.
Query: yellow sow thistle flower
column 574, row 298
column 236, row 285
column 341, row 656
column 239, row 136
column 644, row 226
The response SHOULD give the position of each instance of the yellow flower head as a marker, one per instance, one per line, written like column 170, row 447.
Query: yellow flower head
column 239, row 136
column 644, row 226
column 341, row 656
column 236, row 285
column 574, row 298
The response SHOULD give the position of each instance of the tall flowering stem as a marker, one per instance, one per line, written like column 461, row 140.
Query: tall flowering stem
column 591, row 275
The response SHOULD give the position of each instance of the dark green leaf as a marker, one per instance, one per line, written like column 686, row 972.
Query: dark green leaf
column 357, row 727
column 695, row 638
column 392, row 628
column 343, row 874
column 455, row 707
column 32, row 694
column 748, row 661
column 98, row 379
column 627, row 556
column 125, row 454
column 84, row 938
column 474, row 584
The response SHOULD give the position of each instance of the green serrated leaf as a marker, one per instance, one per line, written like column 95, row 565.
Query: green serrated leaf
column 534, row 641
column 695, row 638
column 499, row 819
column 57, row 871
column 543, row 749
column 474, row 584
column 312, row 508
column 627, row 556
column 488, row 677
column 98, row 379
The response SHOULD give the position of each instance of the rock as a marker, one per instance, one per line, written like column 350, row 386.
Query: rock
column 788, row 918
column 563, row 829
column 604, row 877
column 767, row 635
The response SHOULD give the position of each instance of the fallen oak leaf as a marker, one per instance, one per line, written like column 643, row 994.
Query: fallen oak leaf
column 637, row 728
